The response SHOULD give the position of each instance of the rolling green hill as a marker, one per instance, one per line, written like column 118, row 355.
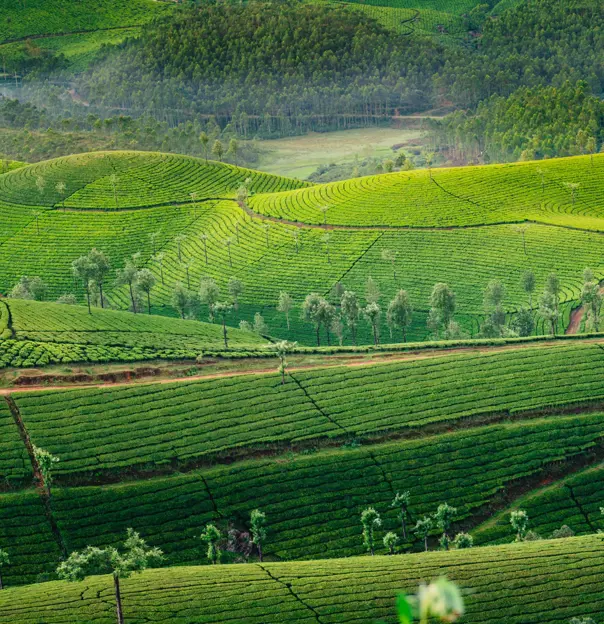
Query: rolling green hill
column 498, row 582
column 46, row 229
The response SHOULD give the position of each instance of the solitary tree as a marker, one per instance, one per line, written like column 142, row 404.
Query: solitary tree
column 181, row 299
column 591, row 147
column 296, row 235
column 227, row 243
column 101, row 268
column 400, row 313
column 127, row 277
column 179, row 240
column 349, row 305
column 159, row 258
column 209, row 293
column 591, row 298
column 233, row 149
column 529, row 283
column 401, row 502
column 337, row 328
column 153, row 237
column 422, row 529
column 4, row 561
column 429, row 157
column 145, row 281
column 83, row 270
column 40, row 184
column 326, row 238
column 285, row 305
column 61, row 189
column 390, row 542
column 211, row 536
column 204, row 240
column 444, row 518
column 204, row 139
column 372, row 313
column 494, row 322
column 372, row 292
column 325, row 314
column 282, row 348
column 442, row 308
column 548, row 310
column 310, row 312
column 218, row 149
column 258, row 530
column 573, row 187
column 522, row 229
column 235, row 288
column 519, row 521
column 222, row 309
column 324, row 210
column 463, row 540
column 45, row 462
column 388, row 255
column 114, row 181
column 370, row 519
column 136, row 557
column 259, row 326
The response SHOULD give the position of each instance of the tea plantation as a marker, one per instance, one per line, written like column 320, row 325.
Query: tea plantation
column 498, row 582
column 192, row 227
column 488, row 426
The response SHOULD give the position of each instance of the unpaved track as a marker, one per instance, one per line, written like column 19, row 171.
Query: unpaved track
column 331, row 362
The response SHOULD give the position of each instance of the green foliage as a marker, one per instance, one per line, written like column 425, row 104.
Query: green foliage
column 258, row 530
column 370, row 519
column 519, row 521
column 212, row 536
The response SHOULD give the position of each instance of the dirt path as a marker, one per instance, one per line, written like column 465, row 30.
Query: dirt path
column 334, row 362
column 576, row 317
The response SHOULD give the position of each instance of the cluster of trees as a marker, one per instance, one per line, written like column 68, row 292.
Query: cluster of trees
column 531, row 123
column 41, row 131
column 441, row 519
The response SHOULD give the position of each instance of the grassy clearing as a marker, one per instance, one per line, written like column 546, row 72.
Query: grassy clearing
column 498, row 582
column 299, row 156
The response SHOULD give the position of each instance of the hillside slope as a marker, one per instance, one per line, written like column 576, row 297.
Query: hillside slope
column 524, row 583
column 200, row 235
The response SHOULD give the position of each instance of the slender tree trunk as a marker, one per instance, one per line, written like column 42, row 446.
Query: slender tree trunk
column 118, row 600
column 88, row 298
column 354, row 334
column 287, row 319
column 149, row 301
column 318, row 336
column 1, row 586
column 132, row 298
column 426, row 543
column 101, row 294
column 282, row 373
column 205, row 249
column 224, row 331
column 404, row 334
column 404, row 526
column 375, row 338
column 260, row 552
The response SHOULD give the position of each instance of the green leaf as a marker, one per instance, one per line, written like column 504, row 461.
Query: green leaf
column 404, row 610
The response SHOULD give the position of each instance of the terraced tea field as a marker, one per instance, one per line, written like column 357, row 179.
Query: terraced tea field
column 36, row 334
column 191, row 217
column 456, row 427
column 497, row 581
